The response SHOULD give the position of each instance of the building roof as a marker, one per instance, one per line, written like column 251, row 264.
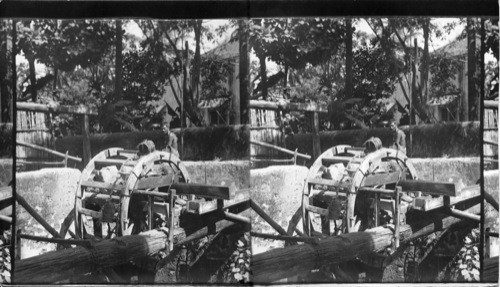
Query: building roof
column 456, row 48
column 227, row 50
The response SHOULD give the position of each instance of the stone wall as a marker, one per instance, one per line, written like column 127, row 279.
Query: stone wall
column 51, row 192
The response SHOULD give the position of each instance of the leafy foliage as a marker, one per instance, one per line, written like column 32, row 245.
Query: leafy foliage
column 443, row 70
column 466, row 264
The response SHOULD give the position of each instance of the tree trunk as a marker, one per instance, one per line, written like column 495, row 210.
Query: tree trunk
column 424, row 71
column 471, row 71
column 244, row 72
column 195, row 75
column 118, row 61
column 263, row 75
column 31, row 62
column 4, row 87
column 348, row 59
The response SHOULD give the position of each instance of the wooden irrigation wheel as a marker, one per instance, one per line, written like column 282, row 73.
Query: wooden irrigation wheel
column 121, row 207
column 346, row 200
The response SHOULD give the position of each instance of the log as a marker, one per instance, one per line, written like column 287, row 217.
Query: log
column 491, row 104
column 34, row 107
column 69, row 263
column 290, row 261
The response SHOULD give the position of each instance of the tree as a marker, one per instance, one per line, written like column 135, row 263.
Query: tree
column 293, row 44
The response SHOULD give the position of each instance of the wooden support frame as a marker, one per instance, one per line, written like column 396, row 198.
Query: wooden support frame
column 428, row 187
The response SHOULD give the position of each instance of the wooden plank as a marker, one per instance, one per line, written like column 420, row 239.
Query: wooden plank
column 318, row 210
column 109, row 162
column 327, row 161
column 204, row 190
column 381, row 178
column 91, row 213
column 203, row 207
column 377, row 190
column 491, row 104
column 428, row 187
column 427, row 203
column 337, row 186
column 103, row 185
column 80, row 109
column 201, row 190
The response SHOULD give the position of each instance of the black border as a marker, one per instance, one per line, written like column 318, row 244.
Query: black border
column 189, row 9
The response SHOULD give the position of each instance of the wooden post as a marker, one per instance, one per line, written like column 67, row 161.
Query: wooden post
column 316, row 141
column 171, row 220
column 87, row 155
column 397, row 213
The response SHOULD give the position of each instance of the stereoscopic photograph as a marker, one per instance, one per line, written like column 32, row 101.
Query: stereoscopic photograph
column 256, row 150
column 131, row 151
column 365, row 149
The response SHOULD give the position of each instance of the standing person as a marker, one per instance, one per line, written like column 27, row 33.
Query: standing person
column 170, row 139
column 398, row 137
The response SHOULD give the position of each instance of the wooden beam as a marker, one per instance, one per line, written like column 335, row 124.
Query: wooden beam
column 33, row 107
column 491, row 104
column 335, row 159
column 489, row 199
column 70, row 263
column 259, row 143
column 47, row 150
column 37, row 217
column 381, row 178
column 109, row 162
column 290, row 261
column 102, row 185
column 201, row 190
column 303, row 107
column 267, row 218
column 428, row 187
column 203, row 206
column 427, row 203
